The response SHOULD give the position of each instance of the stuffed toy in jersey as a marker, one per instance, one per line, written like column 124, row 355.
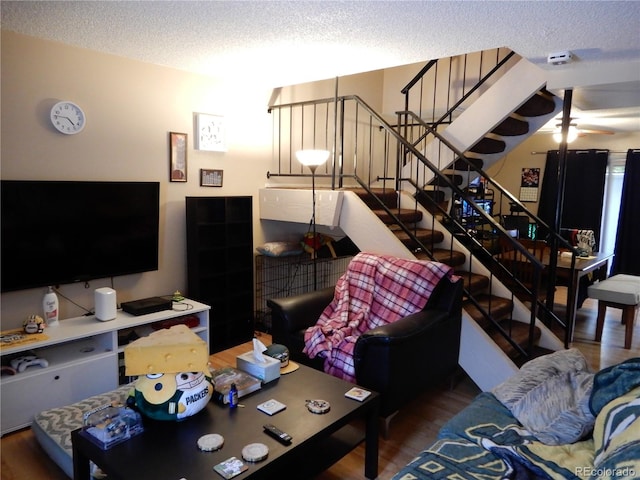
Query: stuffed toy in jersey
column 172, row 366
column 171, row 396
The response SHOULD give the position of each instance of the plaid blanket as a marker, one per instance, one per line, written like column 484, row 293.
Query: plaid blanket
column 375, row 290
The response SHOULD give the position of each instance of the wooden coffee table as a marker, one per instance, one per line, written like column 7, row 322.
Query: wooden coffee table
column 168, row 450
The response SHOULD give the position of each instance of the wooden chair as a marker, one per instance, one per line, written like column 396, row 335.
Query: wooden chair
column 516, row 262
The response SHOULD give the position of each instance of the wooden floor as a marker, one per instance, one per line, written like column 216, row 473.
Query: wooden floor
column 412, row 429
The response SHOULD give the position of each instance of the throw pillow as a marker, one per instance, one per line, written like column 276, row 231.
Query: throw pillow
column 550, row 397
column 279, row 249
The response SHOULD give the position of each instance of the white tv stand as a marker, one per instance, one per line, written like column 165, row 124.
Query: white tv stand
column 83, row 355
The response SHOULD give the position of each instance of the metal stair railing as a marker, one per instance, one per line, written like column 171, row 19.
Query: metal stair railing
column 496, row 228
column 446, row 91
column 431, row 82
column 370, row 135
column 369, row 153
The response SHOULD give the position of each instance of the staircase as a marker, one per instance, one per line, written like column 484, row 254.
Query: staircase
column 426, row 165
column 476, row 284
column 508, row 112
column 493, row 145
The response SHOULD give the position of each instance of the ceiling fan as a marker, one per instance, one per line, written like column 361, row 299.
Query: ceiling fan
column 575, row 130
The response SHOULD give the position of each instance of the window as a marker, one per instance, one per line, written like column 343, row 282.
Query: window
column 612, row 197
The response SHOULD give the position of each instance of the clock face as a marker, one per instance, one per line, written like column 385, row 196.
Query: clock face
column 67, row 117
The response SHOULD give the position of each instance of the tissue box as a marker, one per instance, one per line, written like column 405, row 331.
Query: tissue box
column 267, row 371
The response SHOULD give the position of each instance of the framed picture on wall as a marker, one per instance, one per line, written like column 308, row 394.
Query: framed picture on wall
column 210, row 178
column 529, row 183
column 210, row 133
column 177, row 157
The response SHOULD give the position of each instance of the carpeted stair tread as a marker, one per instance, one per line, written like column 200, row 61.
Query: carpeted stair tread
column 426, row 236
column 473, row 282
column 405, row 215
column 519, row 333
column 463, row 166
column 538, row 104
column 455, row 179
column 435, row 195
column 500, row 309
column 388, row 196
column 511, row 127
column 487, row 145
column 431, row 200
column 448, row 257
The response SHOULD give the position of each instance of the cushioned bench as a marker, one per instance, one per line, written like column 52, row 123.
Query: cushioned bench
column 53, row 427
column 619, row 291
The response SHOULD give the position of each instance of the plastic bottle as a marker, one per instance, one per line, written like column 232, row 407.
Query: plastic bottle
column 233, row 396
column 50, row 307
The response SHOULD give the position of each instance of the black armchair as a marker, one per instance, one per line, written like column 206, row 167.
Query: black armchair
column 398, row 360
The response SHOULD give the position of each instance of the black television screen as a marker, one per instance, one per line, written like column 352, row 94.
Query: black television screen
column 60, row 232
column 468, row 211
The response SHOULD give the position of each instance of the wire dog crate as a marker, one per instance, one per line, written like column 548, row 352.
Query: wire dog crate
column 286, row 276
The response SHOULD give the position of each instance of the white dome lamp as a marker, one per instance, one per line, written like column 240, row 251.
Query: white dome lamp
column 313, row 159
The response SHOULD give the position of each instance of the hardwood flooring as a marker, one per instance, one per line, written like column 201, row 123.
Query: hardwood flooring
column 412, row 429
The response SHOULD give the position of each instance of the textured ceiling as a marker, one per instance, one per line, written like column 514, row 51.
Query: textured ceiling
column 288, row 42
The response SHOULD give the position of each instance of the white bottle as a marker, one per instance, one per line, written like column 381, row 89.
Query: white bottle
column 50, row 307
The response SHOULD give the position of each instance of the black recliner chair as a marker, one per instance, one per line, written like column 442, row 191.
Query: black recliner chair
column 397, row 360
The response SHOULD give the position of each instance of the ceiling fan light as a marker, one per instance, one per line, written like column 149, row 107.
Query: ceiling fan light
column 572, row 134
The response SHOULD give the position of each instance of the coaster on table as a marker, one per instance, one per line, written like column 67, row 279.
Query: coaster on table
column 318, row 406
column 357, row 393
column 255, row 452
column 210, row 442
column 230, row 467
column 271, row 407
column 291, row 367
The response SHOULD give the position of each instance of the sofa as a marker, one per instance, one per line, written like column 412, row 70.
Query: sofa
column 397, row 360
column 554, row 419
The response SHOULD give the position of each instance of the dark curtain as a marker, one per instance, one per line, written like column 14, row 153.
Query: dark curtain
column 583, row 191
column 627, row 253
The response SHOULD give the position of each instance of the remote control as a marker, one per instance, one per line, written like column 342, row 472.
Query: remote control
column 278, row 434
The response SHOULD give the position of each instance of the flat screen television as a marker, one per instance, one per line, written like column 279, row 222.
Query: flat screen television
column 60, row 232
column 469, row 212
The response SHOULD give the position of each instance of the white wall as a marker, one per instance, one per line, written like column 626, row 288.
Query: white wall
column 130, row 107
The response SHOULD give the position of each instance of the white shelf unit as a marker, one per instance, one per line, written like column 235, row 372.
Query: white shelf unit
column 82, row 353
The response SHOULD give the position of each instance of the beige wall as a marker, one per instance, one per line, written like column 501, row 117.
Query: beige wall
column 368, row 85
column 130, row 107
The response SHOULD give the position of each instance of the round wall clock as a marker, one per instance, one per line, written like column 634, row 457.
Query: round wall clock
column 67, row 117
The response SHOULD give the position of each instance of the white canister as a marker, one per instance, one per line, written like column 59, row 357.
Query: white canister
column 105, row 303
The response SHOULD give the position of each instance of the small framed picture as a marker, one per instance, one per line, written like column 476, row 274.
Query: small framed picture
column 210, row 178
column 529, row 183
column 210, row 133
column 530, row 177
column 177, row 157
